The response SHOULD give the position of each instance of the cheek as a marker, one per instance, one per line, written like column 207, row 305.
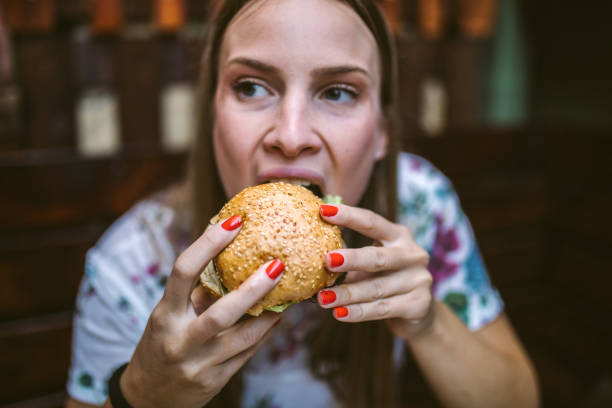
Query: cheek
column 355, row 153
column 230, row 149
column 358, row 141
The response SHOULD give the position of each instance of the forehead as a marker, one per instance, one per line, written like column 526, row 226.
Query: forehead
column 306, row 33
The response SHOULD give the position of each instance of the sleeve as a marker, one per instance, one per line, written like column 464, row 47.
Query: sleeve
column 461, row 279
column 123, row 281
column 105, row 330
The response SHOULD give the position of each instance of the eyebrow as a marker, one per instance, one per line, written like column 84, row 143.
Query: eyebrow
column 325, row 71
column 255, row 64
column 341, row 69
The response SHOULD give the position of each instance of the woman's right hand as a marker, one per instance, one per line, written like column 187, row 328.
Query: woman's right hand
column 184, row 357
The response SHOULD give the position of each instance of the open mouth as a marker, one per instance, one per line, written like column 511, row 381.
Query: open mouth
column 314, row 188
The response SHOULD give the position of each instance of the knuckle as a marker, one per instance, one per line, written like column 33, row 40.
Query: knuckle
column 422, row 304
column 214, row 323
column 250, row 290
column 425, row 280
column 210, row 239
column 345, row 291
column 422, row 255
column 404, row 233
column 188, row 373
column 181, row 267
column 249, row 337
column 171, row 351
column 368, row 223
column 380, row 260
column 378, row 289
column 210, row 383
column 382, row 309
column 158, row 320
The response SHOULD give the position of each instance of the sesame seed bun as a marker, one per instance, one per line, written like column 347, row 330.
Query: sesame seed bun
column 279, row 221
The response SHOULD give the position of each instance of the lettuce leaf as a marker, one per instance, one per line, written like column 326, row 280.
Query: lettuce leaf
column 279, row 308
column 332, row 199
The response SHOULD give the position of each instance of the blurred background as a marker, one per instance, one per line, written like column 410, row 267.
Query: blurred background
column 512, row 99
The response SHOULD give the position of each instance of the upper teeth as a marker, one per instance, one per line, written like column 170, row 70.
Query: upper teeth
column 297, row 182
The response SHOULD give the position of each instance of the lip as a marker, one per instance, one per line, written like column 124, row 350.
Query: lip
column 292, row 172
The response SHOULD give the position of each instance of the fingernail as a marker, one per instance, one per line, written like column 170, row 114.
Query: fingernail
column 232, row 223
column 328, row 210
column 340, row 311
column 336, row 259
column 276, row 323
column 327, row 297
column 275, row 269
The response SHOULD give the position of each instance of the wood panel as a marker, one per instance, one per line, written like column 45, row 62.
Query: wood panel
column 43, row 280
column 54, row 400
column 44, row 66
column 504, row 201
column 39, row 357
column 577, row 160
column 470, row 153
column 139, row 89
column 586, row 272
column 565, row 337
column 68, row 189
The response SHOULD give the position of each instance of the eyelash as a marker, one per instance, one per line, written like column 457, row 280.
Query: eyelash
column 348, row 89
column 239, row 84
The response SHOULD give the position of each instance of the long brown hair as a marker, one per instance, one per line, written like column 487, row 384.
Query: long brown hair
column 357, row 364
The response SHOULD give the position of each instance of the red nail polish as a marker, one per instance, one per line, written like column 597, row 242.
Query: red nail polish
column 336, row 259
column 232, row 223
column 327, row 297
column 275, row 269
column 341, row 311
column 329, row 210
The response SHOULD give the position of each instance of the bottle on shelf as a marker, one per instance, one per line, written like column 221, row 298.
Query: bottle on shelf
column 176, row 93
column 97, row 104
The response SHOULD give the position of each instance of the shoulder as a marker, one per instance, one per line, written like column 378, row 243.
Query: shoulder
column 159, row 222
column 416, row 175
column 159, row 216
column 131, row 261
column 414, row 168
column 138, row 222
column 425, row 196
column 430, row 207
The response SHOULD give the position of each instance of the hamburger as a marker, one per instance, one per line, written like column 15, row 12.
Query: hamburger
column 280, row 220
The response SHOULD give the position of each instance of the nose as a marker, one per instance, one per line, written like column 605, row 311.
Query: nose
column 293, row 132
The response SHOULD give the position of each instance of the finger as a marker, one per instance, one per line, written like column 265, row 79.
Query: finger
column 374, row 259
column 201, row 299
column 364, row 221
column 226, row 311
column 192, row 261
column 240, row 337
column 231, row 366
column 410, row 306
column 380, row 287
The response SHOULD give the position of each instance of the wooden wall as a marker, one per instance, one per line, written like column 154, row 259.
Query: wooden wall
column 538, row 198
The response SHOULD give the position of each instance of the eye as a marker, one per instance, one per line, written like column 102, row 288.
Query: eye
column 250, row 89
column 339, row 94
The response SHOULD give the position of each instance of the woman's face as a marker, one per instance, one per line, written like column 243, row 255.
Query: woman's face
column 298, row 97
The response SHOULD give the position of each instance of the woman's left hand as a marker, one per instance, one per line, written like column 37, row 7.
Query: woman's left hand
column 389, row 281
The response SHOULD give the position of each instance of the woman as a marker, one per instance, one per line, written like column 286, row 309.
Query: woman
column 304, row 90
